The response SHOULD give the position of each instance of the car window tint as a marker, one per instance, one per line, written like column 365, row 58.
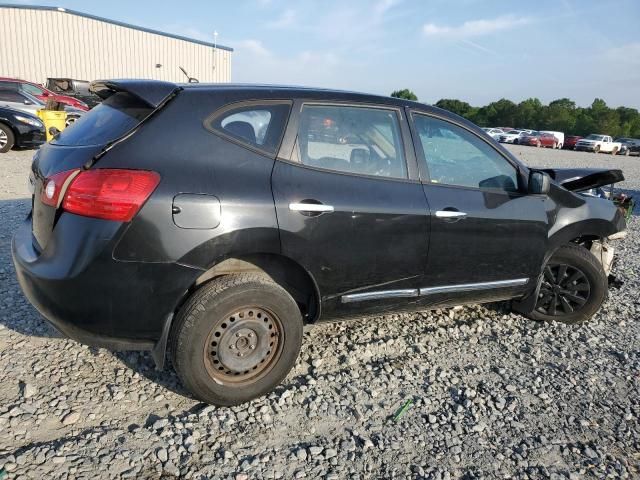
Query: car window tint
column 256, row 125
column 111, row 119
column 456, row 156
column 358, row 140
column 11, row 96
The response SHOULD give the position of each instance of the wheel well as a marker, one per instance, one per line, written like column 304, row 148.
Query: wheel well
column 586, row 240
column 284, row 271
column 10, row 127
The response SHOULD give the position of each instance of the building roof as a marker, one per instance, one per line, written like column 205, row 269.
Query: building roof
column 114, row 22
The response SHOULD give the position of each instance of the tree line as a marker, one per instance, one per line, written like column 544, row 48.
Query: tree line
column 561, row 115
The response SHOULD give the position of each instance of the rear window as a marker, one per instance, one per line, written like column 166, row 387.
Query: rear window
column 106, row 122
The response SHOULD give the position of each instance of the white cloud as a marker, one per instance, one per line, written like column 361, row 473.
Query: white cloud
column 252, row 47
column 475, row 28
column 624, row 55
column 285, row 20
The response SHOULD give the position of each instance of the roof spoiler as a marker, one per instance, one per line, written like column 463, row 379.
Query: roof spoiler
column 152, row 92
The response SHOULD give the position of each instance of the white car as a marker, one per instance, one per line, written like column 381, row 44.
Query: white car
column 512, row 136
column 559, row 137
column 598, row 143
column 493, row 132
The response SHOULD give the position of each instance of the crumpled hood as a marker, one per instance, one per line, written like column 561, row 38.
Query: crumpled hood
column 581, row 179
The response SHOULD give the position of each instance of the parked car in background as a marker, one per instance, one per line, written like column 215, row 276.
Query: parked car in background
column 570, row 141
column 559, row 137
column 634, row 149
column 41, row 93
column 539, row 139
column 278, row 222
column 493, row 132
column 19, row 129
column 21, row 100
column 78, row 89
column 512, row 136
column 626, row 145
column 597, row 143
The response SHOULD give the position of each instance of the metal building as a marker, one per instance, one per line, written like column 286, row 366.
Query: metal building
column 37, row 43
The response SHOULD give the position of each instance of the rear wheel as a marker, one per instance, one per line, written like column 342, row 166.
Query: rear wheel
column 236, row 338
column 538, row 144
column 573, row 288
column 7, row 139
column 614, row 151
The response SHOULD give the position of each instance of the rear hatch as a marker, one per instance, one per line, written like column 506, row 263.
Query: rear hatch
column 126, row 106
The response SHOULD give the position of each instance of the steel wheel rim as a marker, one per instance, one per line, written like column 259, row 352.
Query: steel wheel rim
column 565, row 290
column 4, row 138
column 243, row 346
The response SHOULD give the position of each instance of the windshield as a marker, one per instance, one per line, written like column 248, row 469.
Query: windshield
column 595, row 137
column 111, row 119
column 514, row 132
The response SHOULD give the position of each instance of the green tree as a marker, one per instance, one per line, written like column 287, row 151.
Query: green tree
column 529, row 113
column 405, row 93
column 455, row 106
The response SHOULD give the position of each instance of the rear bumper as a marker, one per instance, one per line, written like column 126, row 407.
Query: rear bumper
column 77, row 285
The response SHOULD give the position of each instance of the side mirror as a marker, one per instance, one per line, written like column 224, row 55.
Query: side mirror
column 539, row 182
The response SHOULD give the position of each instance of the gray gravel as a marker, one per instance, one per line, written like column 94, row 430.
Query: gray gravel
column 494, row 395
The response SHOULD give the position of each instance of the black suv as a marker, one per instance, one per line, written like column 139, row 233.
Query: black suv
column 218, row 219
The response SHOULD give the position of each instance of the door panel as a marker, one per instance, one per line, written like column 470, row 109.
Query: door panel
column 375, row 238
column 483, row 228
column 501, row 237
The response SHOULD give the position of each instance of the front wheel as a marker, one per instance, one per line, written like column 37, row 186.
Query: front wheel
column 236, row 338
column 7, row 138
column 574, row 286
column 596, row 149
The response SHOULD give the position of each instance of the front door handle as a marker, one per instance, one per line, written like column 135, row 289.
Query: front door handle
column 311, row 207
column 450, row 214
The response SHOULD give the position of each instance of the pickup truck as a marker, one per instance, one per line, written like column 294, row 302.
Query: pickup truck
column 598, row 143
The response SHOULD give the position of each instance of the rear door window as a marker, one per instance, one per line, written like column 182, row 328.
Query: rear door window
column 106, row 122
column 256, row 125
column 357, row 140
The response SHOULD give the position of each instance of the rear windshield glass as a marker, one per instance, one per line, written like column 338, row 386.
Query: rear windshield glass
column 106, row 122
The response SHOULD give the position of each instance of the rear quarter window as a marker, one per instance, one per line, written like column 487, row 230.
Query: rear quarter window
column 256, row 125
column 106, row 122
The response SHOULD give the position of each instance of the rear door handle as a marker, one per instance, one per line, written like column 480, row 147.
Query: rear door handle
column 450, row 214
column 311, row 207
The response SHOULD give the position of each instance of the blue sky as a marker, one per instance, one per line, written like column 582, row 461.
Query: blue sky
column 473, row 50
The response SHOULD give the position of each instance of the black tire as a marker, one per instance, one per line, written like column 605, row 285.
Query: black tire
column 7, row 138
column 591, row 288
column 225, row 307
column 596, row 149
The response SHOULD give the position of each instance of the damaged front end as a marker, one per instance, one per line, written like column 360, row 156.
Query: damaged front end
column 594, row 182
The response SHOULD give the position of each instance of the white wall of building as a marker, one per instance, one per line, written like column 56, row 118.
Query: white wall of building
column 39, row 43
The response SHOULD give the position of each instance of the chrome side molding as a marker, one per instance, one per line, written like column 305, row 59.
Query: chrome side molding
column 423, row 292
column 380, row 294
column 472, row 287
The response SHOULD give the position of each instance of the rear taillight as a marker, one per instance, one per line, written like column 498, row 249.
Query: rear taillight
column 54, row 186
column 110, row 194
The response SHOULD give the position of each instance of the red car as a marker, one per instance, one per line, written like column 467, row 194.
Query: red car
column 41, row 93
column 539, row 139
column 570, row 141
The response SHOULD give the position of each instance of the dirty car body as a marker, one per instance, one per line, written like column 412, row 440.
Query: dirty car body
column 354, row 204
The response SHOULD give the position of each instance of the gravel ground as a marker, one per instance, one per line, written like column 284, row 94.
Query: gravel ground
column 494, row 395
